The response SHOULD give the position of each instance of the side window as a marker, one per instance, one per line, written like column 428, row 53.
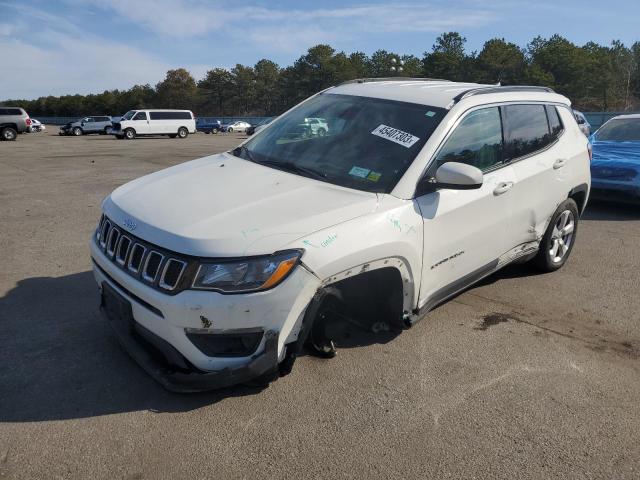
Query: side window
column 140, row 116
column 555, row 124
column 476, row 141
column 526, row 129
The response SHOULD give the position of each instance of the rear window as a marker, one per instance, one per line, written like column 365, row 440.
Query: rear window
column 170, row 115
column 621, row 130
column 555, row 124
column 526, row 129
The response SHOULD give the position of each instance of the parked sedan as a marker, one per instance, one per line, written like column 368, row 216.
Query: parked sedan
column 36, row 126
column 615, row 168
column 237, row 127
column 258, row 126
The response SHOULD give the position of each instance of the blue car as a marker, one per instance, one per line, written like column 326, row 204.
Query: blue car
column 209, row 126
column 615, row 168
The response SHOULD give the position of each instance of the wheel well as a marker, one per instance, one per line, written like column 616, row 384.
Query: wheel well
column 11, row 125
column 373, row 296
column 579, row 195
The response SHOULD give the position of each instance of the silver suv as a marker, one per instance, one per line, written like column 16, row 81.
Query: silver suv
column 13, row 120
column 96, row 124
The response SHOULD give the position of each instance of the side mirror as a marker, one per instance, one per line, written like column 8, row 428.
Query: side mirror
column 452, row 176
column 458, row 176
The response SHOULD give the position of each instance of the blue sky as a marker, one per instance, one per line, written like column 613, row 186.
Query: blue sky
column 60, row 47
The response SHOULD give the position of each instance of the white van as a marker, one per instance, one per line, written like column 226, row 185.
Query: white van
column 174, row 123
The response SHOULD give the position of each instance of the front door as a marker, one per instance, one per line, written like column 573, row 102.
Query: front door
column 465, row 231
column 141, row 123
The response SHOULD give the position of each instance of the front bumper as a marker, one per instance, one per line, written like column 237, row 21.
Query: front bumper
column 170, row 317
column 158, row 357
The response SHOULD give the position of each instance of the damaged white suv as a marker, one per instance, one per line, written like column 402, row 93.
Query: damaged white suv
column 220, row 270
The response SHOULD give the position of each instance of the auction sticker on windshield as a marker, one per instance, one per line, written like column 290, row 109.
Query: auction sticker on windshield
column 398, row 136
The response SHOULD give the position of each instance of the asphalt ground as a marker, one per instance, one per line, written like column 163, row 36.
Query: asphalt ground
column 523, row 376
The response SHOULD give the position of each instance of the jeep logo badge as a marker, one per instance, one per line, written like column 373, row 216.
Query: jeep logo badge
column 129, row 224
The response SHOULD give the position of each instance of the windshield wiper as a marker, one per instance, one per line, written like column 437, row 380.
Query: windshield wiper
column 293, row 168
column 244, row 152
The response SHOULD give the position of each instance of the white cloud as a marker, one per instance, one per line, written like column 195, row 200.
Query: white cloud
column 65, row 67
column 191, row 18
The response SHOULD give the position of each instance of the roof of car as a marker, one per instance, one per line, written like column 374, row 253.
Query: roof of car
column 440, row 93
column 629, row 115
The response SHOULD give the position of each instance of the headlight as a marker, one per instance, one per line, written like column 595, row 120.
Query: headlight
column 246, row 275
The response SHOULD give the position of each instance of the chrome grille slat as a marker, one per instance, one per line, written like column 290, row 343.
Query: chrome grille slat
column 171, row 286
column 122, row 252
column 146, row 274
column 132, row 258
column 156, row 267
column 112, row 241
column 106, row 226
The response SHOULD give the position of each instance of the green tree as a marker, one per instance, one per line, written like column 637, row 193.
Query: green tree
column 177, row 90
column 500, row 61
column 447, row 58
column 213, row 91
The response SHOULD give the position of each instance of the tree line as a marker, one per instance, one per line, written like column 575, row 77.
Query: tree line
column 593, row 76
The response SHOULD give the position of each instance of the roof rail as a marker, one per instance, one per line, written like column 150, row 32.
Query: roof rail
column 394, row 79
column 497, row 89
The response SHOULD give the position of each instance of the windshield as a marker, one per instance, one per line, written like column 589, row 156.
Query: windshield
column 360, row 142
column 128, row 115
column 622, row 130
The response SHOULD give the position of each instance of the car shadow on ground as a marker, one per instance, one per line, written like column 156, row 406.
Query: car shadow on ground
column 60, row 359
column 599, row 210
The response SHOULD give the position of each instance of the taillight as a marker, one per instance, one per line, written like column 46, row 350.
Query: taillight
column 28, row 121
column 590, row 149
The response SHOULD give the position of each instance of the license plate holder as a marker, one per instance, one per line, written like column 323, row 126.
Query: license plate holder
column 117, row 307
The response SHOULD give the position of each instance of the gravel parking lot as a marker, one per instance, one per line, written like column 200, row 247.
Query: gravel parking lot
column 523, row 376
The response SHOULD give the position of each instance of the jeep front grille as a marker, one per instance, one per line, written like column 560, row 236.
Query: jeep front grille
column 159, row 268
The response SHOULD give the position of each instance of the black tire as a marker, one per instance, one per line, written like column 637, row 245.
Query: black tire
column 554, row 251
column 208, row 132
column 129, row 134
column 9, row 134
column 215, row 130
column 229, row 130
column 183, row 132
column 77, row 131
column 322, row 132
column 318, row 342
column 106, row 131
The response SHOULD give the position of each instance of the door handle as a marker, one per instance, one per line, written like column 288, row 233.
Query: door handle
column 502, row 188
column 559, row 163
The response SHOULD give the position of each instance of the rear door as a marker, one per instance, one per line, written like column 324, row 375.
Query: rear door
column 538, row 158
column 465, row 231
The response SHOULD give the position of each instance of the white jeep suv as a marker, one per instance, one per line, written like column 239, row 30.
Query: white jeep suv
column 218, row 271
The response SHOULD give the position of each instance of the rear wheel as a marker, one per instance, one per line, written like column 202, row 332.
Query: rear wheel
column 106, row 131
column 322, row 132
column 230, row 130
column 183, row 132
column 129, row 134
column 215, row 130
column 9, row 134
column 77, row 131
column 558, row 240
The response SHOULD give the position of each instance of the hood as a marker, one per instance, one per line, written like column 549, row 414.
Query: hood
column 616, row 160
column 221, row 206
